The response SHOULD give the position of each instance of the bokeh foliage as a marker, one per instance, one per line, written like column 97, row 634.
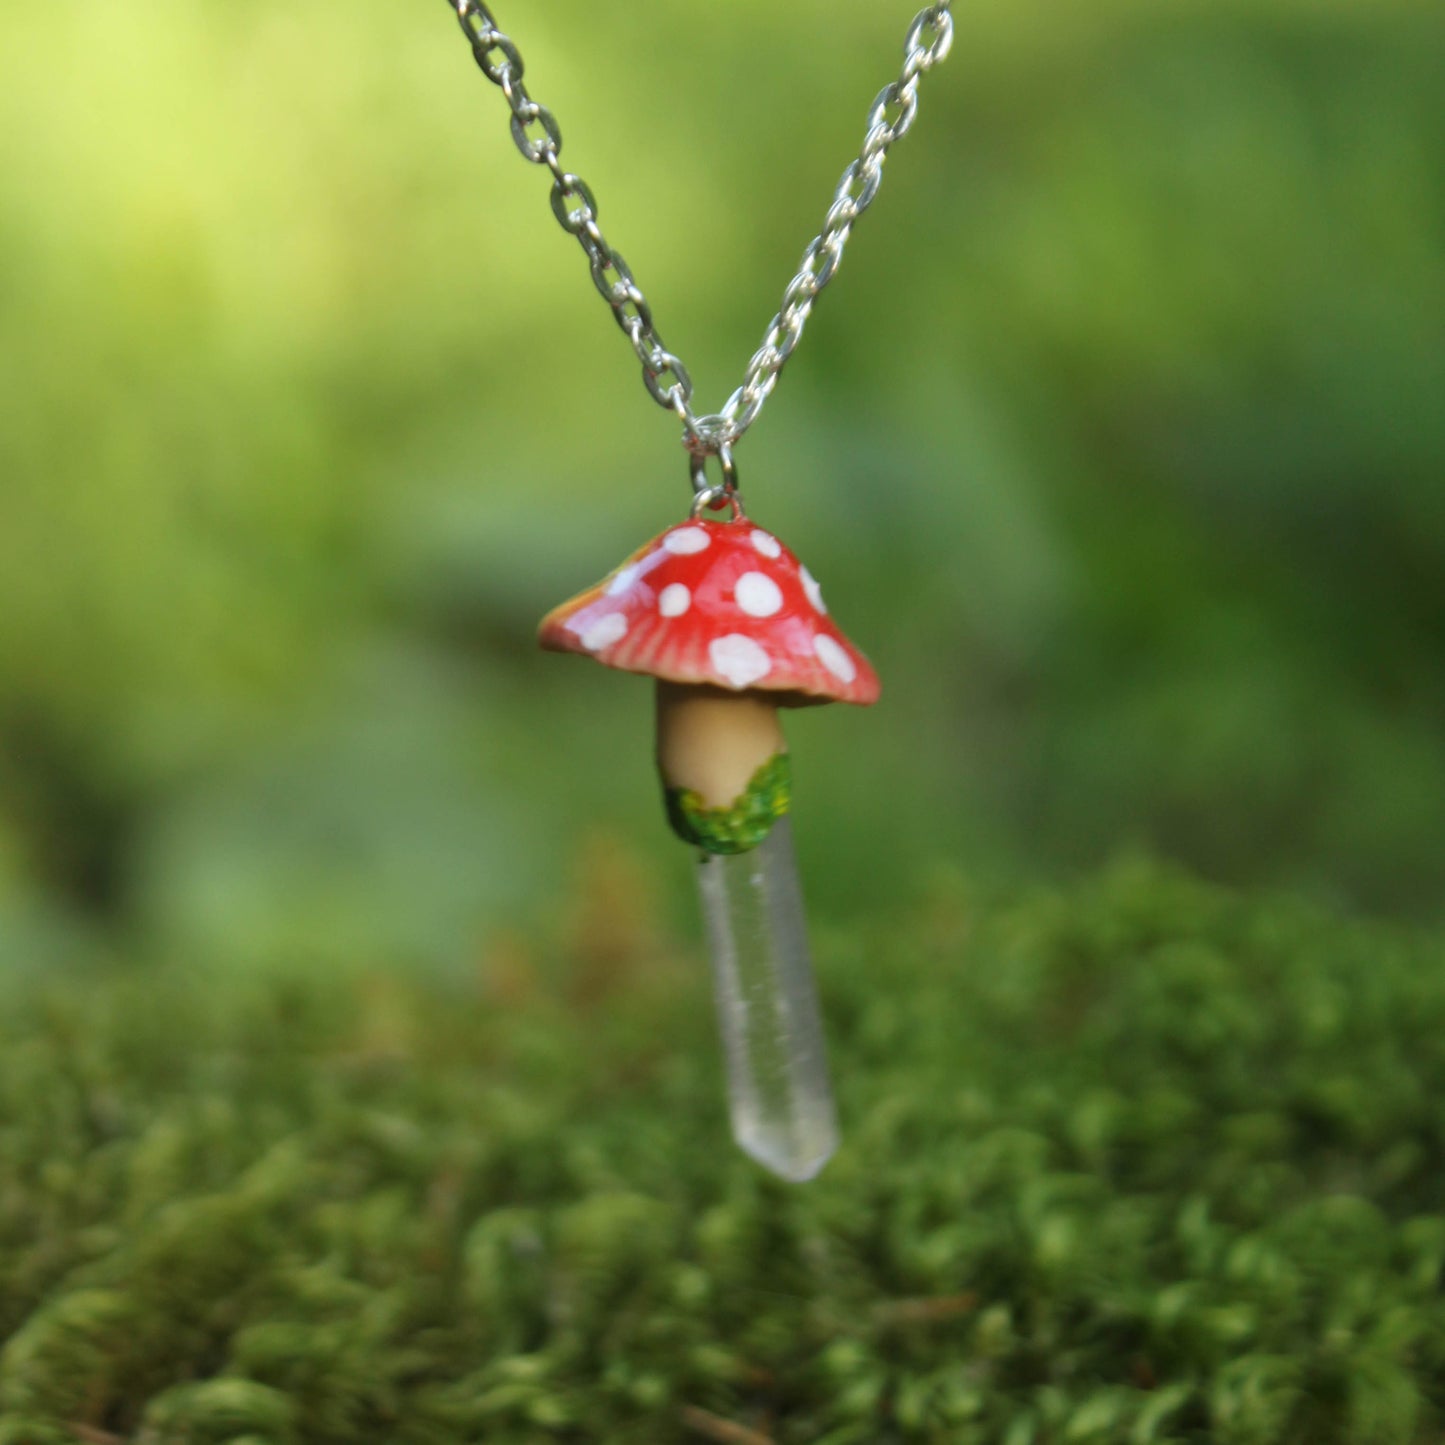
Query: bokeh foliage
column 1118, row 444
column 1138, row 1162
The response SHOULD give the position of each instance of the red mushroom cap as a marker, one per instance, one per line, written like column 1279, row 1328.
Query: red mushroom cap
column 721, row 604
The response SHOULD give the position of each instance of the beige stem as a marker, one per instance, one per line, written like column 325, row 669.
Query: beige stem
column 712, row 742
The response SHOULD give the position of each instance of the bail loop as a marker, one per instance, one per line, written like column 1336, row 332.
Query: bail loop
column 714, row 497
column 708, row 495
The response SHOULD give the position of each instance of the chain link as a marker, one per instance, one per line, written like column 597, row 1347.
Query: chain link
column 539, row 138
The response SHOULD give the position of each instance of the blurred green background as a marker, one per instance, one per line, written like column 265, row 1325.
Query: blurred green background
column 1118, row 444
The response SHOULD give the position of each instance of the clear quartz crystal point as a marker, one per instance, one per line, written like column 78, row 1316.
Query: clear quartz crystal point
column 778, row 1090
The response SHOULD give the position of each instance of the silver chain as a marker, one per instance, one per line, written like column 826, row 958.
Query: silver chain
column 539, row 138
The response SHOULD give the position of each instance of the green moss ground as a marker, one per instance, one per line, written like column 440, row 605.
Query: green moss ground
column 1137, row 1162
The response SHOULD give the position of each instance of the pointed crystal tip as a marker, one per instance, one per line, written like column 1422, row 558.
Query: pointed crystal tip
column 792, row 1158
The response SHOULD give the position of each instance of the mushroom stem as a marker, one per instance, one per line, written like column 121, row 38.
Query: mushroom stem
column 723, row 763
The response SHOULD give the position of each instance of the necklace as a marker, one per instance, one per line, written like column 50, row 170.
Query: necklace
column 733, row 627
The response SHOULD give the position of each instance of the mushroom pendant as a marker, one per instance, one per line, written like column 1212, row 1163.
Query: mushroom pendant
column 733, row 627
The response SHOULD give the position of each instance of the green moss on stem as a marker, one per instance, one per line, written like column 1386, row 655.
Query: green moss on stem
column 745, row 822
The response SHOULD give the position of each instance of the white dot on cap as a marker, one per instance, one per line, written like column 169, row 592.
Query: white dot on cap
column 757, row 595
column 604, row 632
column 622, row 581
column 738, row 659
column 834, row 658
column 766, row 543
column 815, row 593
column 674, row 600
column 687, row 540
